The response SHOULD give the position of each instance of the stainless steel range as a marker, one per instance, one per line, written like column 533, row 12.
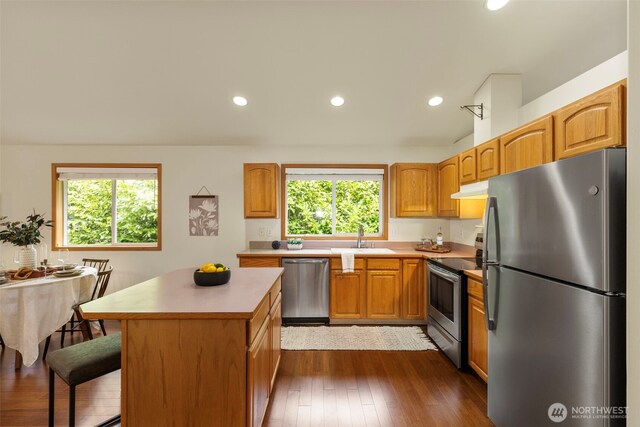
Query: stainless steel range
column 447, row 320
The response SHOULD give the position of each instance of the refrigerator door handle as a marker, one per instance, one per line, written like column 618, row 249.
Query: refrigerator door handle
column 492, row 206
column 489, row 320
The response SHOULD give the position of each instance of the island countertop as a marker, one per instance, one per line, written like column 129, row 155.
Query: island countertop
column 174, row 295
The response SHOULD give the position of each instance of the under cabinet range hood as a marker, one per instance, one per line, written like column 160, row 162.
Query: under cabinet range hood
column 475, row 191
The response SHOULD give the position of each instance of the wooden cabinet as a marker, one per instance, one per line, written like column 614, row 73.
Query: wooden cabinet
column 414, row 290
column 591, row 123
column 261, row 190
column 478, row 336
column 467, row 160
column 347, row 295
column 259, row 375
column 256, row 261
column 413, row 190
column 275, row 316
column 384, row 289
column 447, row 185
column 528, row 146
column 488, row 159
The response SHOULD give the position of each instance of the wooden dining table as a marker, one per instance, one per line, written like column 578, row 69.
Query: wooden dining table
column 33, row 309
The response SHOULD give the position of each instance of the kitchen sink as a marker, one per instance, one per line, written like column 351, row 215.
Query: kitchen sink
column 362, row 251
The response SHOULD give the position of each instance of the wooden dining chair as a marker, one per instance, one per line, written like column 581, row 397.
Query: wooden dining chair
column 98, row 264
column 82, row 325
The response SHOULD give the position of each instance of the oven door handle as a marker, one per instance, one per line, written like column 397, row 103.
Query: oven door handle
column 444, row 273
column 490, row 321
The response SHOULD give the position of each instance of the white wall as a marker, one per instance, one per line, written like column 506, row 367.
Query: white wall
column 605, row 74
column 633, row 207
column 25, row 185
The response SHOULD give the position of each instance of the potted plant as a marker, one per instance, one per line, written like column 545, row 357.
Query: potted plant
column 24, row 235
column 294, row 243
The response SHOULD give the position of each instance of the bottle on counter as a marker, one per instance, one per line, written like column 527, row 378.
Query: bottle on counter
column 439, row 238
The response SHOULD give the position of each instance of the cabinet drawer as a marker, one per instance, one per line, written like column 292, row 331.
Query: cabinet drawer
column 336, row 263
column 274, row 292
column 474, row 288
column 383, row 264
column 258, row 319
column 260, row 262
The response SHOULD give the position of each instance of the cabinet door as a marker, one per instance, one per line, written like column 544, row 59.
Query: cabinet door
column 383, row 294
column 467, row 161
column 347, row 296
column 276, row 337
column 413, row 190
column 447, row 185
column 488, row 159
column 252, row 261
column 261, row 190
column 591, row 123
column 478, row 336
column 259, row 378
column 414, row 299
column 531, row 145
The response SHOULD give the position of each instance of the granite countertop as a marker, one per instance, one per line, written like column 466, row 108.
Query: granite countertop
column 475, row 274
column 174, row 295
column 459, row 252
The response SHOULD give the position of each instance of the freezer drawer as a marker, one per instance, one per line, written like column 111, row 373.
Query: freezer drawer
column 552, row 343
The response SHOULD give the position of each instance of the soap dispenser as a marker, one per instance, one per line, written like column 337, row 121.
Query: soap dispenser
column 439, row 238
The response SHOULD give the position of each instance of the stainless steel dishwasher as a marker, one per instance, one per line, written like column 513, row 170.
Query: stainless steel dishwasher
column 305, row 290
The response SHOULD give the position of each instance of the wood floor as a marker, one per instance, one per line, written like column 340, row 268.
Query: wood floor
column 314, row 388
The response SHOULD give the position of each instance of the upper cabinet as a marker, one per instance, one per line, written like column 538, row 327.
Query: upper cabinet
column 467, row 161
column 488, row 159
column 261, row 190
column 413, row 190
column 447, row 185
column 528, row 146
column 591, row 123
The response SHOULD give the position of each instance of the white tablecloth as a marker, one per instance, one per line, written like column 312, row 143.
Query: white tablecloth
column 32, row 310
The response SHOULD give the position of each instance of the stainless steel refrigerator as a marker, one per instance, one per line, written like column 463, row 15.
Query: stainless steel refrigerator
column 555, row 283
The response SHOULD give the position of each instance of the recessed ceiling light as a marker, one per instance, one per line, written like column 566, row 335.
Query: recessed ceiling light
column 337, row 101
column 436, row 100
column 240, row 101
column 493, row 5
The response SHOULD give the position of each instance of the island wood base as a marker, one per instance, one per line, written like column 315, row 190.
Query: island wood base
column 184, row 372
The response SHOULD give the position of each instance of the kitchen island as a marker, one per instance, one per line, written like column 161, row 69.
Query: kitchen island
column 197, row 356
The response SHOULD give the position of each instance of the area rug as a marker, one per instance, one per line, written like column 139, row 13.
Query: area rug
column 386, row 338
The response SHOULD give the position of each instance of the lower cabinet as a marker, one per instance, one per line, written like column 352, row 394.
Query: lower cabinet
column 414, row 290
column 254, row 261
column 259, row 377
column 478, row 336
column 347, row 295
column 383, row 294
column 264, row 357
column 276, row 336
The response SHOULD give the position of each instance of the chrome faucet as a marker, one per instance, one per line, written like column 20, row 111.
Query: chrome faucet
column 360, row 244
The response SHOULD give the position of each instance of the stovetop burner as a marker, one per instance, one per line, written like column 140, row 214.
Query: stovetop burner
column 457, row 265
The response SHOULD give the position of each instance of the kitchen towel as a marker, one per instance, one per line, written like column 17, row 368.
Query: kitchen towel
column 348, row 259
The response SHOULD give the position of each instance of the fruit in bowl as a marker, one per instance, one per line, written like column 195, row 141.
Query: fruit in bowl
column 212, row 275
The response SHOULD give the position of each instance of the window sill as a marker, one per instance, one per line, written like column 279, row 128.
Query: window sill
column 132, row 247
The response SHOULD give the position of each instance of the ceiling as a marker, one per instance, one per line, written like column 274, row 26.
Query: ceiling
column 164, row 72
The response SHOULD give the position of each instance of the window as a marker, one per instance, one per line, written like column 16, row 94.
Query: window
column 111, row 206
column 331, row 201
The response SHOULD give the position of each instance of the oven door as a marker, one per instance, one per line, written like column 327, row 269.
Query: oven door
column 445, row 300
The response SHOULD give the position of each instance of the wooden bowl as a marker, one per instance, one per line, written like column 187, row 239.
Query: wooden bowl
column 211, row 279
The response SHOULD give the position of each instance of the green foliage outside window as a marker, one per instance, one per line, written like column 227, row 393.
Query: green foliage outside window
column 89, row 208
column 310, row 212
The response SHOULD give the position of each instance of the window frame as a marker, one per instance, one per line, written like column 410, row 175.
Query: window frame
column 384, row 203
column 58, row 203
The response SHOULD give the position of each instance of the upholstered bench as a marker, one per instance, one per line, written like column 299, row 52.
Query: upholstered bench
column 80, row 363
